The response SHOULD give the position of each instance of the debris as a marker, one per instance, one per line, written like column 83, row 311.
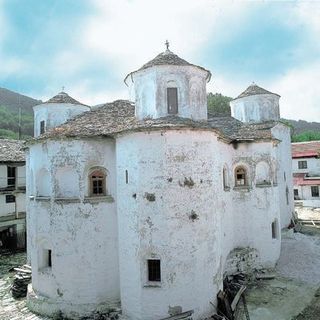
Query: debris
column 237, row 297
column 181, row 316
column 229, row 298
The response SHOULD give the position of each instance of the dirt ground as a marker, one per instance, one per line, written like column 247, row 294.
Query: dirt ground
column 294, row 294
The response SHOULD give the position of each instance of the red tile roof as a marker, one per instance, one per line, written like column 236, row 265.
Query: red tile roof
column 306, row 149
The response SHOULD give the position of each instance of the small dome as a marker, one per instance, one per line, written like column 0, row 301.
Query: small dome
column 63, row 97
column 253, row 90
column 168, row 58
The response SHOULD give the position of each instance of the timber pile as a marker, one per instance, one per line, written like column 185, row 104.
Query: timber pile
column 21, row 280
column 228, row 299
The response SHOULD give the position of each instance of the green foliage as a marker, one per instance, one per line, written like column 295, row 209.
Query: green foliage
column 8, row 134
column 218, row 104
column 9, row 123
column 306, row 136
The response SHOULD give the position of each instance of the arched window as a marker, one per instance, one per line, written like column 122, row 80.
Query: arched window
column 241, row 177
column 97, row 183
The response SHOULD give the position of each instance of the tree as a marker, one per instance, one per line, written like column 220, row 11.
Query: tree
column 218, row 104
column 306, row 136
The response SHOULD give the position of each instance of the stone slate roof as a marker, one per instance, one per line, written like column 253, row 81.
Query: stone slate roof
column 11, row 151
column 252, row 90
column 119, row 117
column 63, row 97
column 167, row 58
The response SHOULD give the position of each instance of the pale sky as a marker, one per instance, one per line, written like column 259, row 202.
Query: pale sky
column 88, row 46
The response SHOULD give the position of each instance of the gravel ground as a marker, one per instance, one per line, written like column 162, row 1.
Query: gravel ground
column 300, row 258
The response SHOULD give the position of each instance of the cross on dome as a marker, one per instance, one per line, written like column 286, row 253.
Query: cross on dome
column 167, row 44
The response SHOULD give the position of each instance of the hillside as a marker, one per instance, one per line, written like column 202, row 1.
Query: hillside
column 301, row 126
column 10, row 102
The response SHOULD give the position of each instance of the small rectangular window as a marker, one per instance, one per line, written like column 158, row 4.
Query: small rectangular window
column 315, row 191
column 10, row 198
column 127, row 177
column 172, row 98
column 154, row 271
column 274, row 229
column 302, row 164
column 49, row 258
column 42, row 127
column 296, row 194
column 11, row 175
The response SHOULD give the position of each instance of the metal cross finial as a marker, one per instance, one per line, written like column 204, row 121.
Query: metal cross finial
column 167, row 44
column 62, row 88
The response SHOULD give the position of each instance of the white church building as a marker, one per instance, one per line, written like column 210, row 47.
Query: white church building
column 149, row 204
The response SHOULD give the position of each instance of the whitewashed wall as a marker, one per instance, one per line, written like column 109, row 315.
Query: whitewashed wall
column 256, row 108
column 10, row 208
column 285, row 178
column 158, row 163
column 173, row 207
column 312, row 163
column 81, row 232
column 150, row 88
column 55, row 114
column 306, row 193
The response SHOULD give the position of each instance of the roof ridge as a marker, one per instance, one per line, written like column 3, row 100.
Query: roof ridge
column 63, row 97
column 253, row 90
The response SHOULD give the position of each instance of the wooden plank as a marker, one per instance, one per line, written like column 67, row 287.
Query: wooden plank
column 237, row 297
column 265, row 276
column 22, row 270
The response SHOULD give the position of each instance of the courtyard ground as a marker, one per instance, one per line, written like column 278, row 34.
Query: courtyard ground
column 294, row 294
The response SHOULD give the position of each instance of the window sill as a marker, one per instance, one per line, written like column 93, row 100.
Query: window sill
column 67, row 200
column 241, row 188
column 40, row 198
column 263, row 185
column 152, row 285
column 98, row 199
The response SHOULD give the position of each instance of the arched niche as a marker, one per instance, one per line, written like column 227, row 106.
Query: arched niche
column 67, row 182
column 263, row 174
column 43, row 183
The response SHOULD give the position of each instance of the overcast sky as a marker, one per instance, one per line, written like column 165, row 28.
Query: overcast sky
column 88, row 46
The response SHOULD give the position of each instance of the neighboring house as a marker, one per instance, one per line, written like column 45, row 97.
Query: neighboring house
column 306, row 172
column 150, row 204
column 12, row 195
